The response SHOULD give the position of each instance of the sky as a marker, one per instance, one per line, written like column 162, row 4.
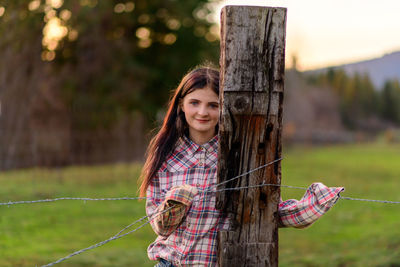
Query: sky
column 323, row 33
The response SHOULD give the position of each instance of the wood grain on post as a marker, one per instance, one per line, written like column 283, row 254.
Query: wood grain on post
column 252, row 80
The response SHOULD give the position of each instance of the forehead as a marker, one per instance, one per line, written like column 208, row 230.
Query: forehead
column 204, row 94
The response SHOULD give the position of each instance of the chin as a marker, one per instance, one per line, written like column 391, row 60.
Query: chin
column 203, row 130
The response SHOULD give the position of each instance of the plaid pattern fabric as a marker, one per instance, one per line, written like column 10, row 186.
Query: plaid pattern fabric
column 164, row 263
column 176, row 204
column 317, row 200
column 187, row 231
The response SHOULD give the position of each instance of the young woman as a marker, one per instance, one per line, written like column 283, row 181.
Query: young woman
column 182, row 162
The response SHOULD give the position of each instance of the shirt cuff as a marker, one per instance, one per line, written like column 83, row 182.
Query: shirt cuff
column 182, row 193
column 317, row 200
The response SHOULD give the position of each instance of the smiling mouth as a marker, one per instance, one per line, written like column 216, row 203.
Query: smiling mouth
column 202, row 120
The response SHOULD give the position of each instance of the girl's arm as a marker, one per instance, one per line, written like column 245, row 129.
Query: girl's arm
column 167, row 215
column 317, row 200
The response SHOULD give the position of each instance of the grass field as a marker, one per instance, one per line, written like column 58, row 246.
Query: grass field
column 351, row 234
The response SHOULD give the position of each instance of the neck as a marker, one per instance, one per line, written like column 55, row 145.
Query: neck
column 201, row 139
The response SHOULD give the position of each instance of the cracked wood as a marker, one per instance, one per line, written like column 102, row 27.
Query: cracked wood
column 252, row 75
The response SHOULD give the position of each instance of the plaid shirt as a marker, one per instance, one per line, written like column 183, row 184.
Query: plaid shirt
column 187, row 231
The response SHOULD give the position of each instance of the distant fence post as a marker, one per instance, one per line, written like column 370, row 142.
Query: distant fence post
column 252, row 78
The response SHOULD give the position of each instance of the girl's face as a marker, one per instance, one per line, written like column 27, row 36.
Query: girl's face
column 201, row 110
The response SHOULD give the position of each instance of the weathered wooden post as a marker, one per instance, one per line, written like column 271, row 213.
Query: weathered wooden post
column 252, row 77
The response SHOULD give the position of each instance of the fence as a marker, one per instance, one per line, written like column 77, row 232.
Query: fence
column 147, row 219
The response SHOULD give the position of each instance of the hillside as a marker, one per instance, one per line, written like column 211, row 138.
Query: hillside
column 379, row 69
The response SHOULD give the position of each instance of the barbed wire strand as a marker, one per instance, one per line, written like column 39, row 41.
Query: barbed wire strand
column 130, row 225
column 117, row 236
column 303, row 188
column 68, row 198
column 246, row 173
column 126, row 198
column 120, row 235
column 370, row 200
column 95, row 246
column 260, row 185
column 219, row 190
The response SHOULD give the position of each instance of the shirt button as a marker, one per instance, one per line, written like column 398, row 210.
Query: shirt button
column 198, row 185
column 201, row 164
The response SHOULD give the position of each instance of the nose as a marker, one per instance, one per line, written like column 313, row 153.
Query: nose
column 203, row 110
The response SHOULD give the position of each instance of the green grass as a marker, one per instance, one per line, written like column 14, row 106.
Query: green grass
column 351, row 234
column 37, row 234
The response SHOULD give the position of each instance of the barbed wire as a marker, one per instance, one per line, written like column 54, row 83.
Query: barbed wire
column 370, row 200
column 130, row 225
column 117, row 236
column 95, row 246
column 246, row 173
column 303, row 188
column 9, row 203
column 219, row 190
column 257, row 186
column 152, row 216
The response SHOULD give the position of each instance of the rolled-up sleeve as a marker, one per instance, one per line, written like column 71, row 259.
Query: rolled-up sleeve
column 166, row 213
column 317, row 200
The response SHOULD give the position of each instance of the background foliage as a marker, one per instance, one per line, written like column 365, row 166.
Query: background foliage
column 113, row 56
column 92, row 75
column 360, row 101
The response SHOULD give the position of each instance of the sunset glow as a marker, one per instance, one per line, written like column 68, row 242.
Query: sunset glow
column 322, row 33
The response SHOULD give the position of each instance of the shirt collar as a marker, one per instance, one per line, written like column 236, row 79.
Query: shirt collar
column 191, row 147
column 211, row 145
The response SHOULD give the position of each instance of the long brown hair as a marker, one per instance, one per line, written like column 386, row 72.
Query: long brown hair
column 175, row 125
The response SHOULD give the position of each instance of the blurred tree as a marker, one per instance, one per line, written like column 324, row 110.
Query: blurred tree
column 106, row 65
column 127, row 55
column 23, row 80
column 390, row 101
column 359, row 100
